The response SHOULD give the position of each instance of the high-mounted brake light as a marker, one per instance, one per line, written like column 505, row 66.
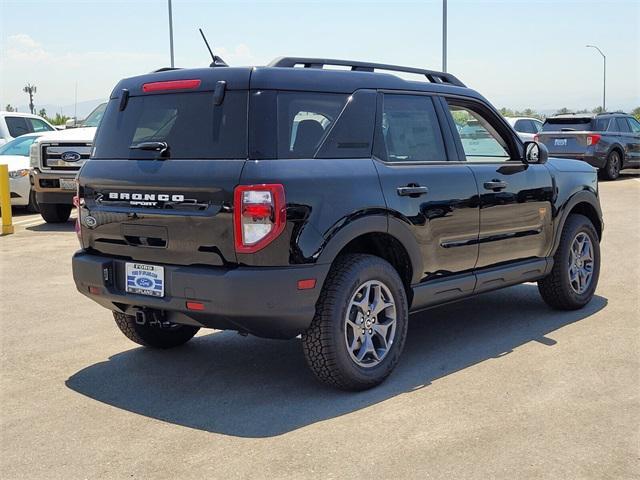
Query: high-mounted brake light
column 593, row 139
column 259, row 216
column 171, row 85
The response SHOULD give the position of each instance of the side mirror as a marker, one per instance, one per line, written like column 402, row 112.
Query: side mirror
column 535, row 153
column 70, row 123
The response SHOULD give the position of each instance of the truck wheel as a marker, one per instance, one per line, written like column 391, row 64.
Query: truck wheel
column 55, row 212
column 152, row 335
column 612, row 168
column 360, row 326
column 32, row 207
column 576, row 268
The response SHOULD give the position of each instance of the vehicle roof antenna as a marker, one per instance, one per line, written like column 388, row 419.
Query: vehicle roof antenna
column 217, row 61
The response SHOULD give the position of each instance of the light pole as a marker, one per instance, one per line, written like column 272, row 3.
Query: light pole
column 444, row 35
column 604, row 80
column 171, row 34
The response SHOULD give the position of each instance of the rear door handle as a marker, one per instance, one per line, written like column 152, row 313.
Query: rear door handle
column 495, row 185
column 412, row 191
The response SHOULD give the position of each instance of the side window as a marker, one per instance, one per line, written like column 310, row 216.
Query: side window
column 480, row 141
column 409, row 130
column 634, row 125
column 39, row 126
column 622, row 125
column 304, row 119
column 537, row 125
column 17, row 126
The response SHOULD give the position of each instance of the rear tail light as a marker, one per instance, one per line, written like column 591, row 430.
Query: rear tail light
column 593, row 139
column 536, row 138
column 259, row 216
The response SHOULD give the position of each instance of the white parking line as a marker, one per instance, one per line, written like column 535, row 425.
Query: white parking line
column 29, row 219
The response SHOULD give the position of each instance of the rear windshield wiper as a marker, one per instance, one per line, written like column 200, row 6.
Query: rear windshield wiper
column 161, row 147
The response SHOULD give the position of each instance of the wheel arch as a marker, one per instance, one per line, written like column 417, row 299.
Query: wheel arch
column 583, row 203
column 384, row 237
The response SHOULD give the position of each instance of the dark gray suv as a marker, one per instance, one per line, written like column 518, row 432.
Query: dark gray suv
column 608, row 141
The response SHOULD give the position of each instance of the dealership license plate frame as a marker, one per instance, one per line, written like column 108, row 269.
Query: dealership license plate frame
column 144, row 279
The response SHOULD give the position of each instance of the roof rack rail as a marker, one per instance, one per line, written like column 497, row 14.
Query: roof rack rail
column 432, row 75
column 611, row 112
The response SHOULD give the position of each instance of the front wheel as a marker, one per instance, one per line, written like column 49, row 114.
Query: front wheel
column 576, row 266
column 360, row 326
column 55, row 212
column 154, row 336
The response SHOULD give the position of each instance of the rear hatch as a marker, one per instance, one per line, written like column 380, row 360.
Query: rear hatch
column 168, row 153
column 570, row 136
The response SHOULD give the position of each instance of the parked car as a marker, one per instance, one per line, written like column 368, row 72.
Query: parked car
column 93, row 119
column 526, row 127
column 608, row 141
column 14, row 124
column 286, row 200
column 56, row 158
column 15, row 154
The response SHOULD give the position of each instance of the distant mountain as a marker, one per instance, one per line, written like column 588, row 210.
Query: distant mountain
column 84, row 108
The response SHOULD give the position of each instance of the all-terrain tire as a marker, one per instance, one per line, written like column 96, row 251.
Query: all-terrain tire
column 55, row 212
column 324, row 343
column 555, row 288
column 154, row 336
column 611, row 169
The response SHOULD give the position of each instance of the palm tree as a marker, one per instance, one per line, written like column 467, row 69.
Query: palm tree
column 30, row 90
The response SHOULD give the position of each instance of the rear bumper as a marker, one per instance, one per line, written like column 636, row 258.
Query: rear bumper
column 262, row 301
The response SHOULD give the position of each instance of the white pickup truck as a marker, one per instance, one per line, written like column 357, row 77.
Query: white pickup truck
column 56, row 158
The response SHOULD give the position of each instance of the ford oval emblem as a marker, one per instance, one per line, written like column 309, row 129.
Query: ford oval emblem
column 70, row 156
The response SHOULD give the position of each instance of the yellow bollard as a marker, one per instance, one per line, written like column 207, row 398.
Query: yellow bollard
column 5, row 200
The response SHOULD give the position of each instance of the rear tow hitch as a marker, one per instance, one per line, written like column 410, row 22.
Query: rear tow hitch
column 153, row 318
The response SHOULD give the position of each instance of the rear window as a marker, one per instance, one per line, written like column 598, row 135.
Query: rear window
column 575, row 124
column 17, row 126
column 190, row 123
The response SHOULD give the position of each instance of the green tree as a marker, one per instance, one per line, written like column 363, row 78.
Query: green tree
column 9, row 108
column 563, row 110
column 43, row 113
column 597, row 110
column 636, row 113
column 506, row 112
column 58, row 119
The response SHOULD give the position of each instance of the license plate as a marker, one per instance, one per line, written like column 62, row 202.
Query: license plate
column 68, row 184
column 560, row 142
column 145, row 279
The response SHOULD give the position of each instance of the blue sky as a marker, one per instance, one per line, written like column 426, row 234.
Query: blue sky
column 517, row 53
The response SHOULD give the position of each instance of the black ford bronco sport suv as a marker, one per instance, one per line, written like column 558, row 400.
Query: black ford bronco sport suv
column 328, row 202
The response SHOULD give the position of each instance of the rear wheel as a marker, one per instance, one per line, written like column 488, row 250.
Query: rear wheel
column 612, row 168
column 55, row 212
column 155, row 336
column 360, row 325
column 572, row 281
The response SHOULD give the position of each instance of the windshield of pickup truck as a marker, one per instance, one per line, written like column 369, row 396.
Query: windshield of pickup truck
column 93, row 119
column 190, row 124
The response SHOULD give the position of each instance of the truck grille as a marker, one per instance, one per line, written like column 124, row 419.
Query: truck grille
column 53, row 154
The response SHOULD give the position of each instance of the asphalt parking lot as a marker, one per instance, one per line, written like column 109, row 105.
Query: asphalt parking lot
column 497, row 386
